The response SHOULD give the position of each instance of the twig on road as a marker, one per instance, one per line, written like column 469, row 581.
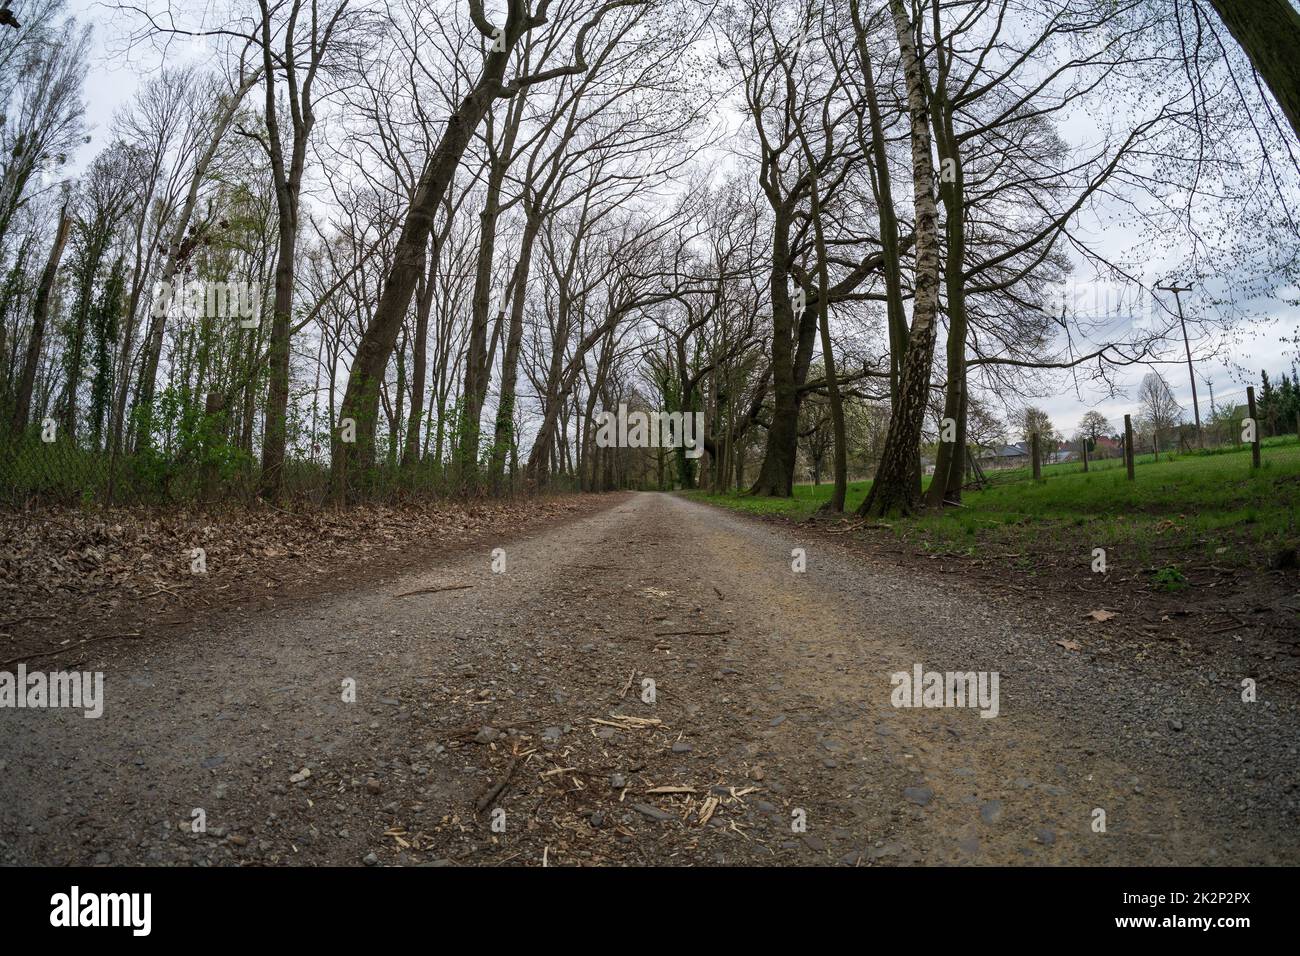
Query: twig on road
column 449, row 587
column 60, row 650
column 495, row 791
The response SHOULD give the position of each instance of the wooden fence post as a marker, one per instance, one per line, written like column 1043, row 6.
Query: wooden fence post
column 1128, row 445
column 1254, row 446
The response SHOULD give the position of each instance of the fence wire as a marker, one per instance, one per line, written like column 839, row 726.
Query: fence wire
column 33, row 471
column 1225, row 430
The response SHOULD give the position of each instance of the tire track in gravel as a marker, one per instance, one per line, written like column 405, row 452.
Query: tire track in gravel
column 772, row 696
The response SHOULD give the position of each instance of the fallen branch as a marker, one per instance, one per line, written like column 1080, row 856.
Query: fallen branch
column 494, row 792
column 29, row 617
column 626, row 722
column 457, row 732
column 60, row 650
column 449, row 587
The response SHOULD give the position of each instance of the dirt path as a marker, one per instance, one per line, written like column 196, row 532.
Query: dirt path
column 771, row 707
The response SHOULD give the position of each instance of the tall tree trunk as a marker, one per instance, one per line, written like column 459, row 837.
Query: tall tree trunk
column 556, row 392
column 776, row 476
column 878, row 161
column 1269, row 32
column 835, row 504
column 275, row 424
column 478, row 362
column 503, row 432
column 10, row 297
column 591, row 453
column 419, row 369
column 75, row 348
column 40, row 314
column 950, row 460
column 896, row 486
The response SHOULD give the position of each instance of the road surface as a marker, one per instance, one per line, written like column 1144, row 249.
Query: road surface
column 653, row 683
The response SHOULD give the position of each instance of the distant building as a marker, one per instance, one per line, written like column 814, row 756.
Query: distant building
column 1004, row 456
column 1018, row 455
column 1107, row 447
column 1064, row 451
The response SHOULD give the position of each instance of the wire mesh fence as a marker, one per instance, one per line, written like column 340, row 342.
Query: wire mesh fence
column 34, row 471
column 1239, row 442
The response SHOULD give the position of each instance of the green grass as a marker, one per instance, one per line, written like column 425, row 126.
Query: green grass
column 1195, row 506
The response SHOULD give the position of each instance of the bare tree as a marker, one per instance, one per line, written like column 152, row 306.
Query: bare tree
column 1094, row 425
column 896, row 485
column 360, row 401
column 1031, row 421
column 43, row 72
column 40, row 315
column 1159, row 409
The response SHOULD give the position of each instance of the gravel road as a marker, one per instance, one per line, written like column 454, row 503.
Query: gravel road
column 650, row 684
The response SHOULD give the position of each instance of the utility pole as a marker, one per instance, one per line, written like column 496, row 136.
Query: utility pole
column 1191, row 373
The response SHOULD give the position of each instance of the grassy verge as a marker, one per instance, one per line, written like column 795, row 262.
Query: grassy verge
column 1185, row 508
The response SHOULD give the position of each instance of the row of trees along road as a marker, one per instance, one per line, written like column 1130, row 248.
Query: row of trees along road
column 477, row 225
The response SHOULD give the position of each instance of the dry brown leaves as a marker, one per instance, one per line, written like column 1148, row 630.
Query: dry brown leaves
column 67, row 573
